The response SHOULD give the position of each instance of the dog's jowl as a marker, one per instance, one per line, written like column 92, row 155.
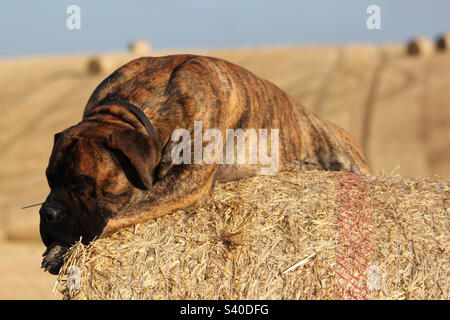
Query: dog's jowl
column 115, row 167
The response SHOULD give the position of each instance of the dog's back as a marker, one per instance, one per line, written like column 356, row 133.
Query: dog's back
column 176, row 90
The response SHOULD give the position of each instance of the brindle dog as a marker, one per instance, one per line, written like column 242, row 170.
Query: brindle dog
column 107, row 172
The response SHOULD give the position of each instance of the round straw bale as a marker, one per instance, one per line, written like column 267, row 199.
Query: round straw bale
column 295, row 235
column 443, row 42
column 420, row 46
column 101, row 65
column 139, row 48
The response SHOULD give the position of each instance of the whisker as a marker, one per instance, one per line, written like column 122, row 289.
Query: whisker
column 32, row 205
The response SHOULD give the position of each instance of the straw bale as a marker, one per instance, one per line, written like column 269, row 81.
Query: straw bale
column 101, row 64
column 443, row 42
column 139, row 48
column 420, row 46
column 295, row 235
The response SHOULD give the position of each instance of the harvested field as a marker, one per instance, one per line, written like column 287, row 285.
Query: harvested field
column 296, row 235
column 396, row 105
column 20, row 274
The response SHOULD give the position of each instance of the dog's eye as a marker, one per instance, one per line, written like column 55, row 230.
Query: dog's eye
column 113, row 196
column 80, row 183
column 76, row 186
column 108, row 194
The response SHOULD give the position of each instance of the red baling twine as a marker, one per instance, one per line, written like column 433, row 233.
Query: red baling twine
column 355, row 248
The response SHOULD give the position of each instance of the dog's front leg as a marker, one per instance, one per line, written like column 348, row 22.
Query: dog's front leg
column 180, row 188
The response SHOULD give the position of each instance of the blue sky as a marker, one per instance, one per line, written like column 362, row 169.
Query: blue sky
column 39, row 26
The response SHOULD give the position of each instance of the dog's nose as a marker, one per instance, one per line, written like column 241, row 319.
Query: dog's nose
column 50, row 214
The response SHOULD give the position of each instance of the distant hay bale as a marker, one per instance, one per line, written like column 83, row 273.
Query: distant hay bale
column 101, row 65
column 443, row 42
column 139, row 48
column 420, row 46
column 296, row 235
column 108, row 63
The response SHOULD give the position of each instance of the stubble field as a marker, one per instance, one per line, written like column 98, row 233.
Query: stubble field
column 396, row 105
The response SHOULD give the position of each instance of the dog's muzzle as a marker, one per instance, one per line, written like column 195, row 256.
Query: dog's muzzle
column 52, row 212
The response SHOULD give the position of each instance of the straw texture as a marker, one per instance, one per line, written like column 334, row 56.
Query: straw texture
column 295, row 235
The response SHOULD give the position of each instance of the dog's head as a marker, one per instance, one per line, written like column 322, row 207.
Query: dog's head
column 95, row 171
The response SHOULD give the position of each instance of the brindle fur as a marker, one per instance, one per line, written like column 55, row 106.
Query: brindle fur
column 106, row 173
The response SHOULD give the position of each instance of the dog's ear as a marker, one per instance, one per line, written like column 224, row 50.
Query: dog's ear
column 137, row 154
column 56, row 137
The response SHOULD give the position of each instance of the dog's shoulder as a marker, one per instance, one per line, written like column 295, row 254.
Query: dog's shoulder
column 154, row 75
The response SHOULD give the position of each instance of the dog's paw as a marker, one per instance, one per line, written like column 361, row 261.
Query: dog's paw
column 54, row 258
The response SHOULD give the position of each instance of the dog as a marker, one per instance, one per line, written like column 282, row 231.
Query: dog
column 113, row 169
